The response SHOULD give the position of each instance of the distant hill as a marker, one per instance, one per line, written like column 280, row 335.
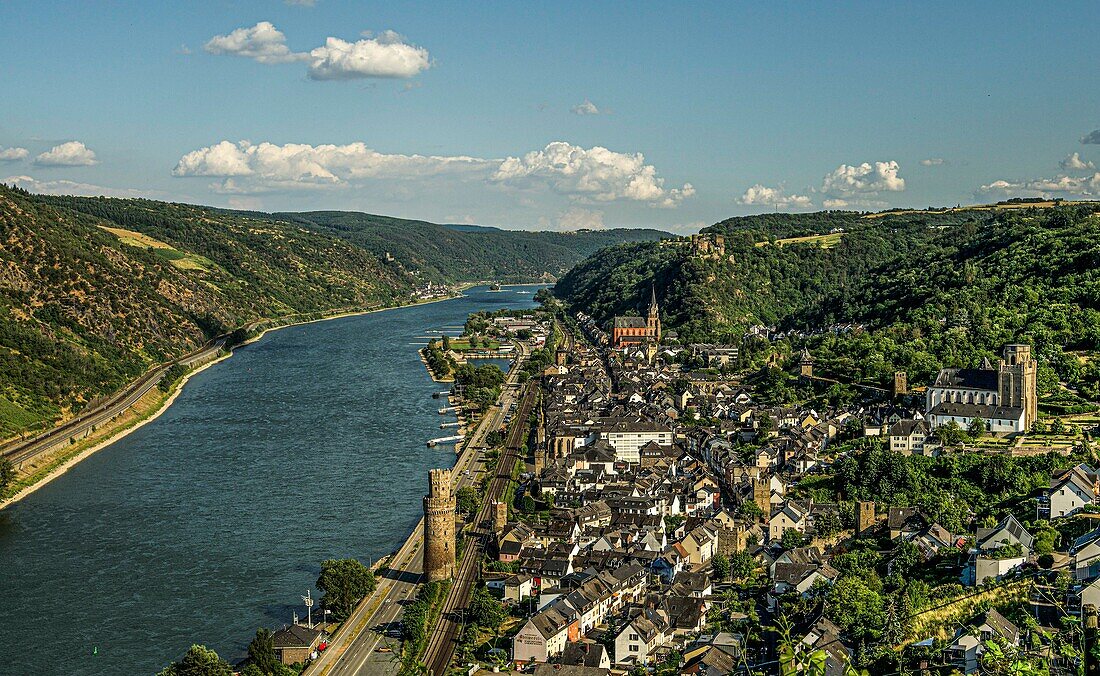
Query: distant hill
column 94, row 291
column 463, row 253
column 924, row 288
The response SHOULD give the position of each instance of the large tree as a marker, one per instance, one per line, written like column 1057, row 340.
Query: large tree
column 344, row 582
column 261, row 652
column 199, row 661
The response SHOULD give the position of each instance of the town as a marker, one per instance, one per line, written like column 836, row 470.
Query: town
column 645, row 507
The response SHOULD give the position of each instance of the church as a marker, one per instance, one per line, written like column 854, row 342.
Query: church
column 627, row 331
column 1005, row 396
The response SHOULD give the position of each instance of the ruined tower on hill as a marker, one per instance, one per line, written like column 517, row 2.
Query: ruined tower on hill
column 439, row 527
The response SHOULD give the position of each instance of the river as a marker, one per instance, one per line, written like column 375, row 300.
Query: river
column 213, row 519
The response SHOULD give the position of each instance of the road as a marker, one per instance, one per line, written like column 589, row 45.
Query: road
column 354, row 648
column 441, row 642
column 81, row 425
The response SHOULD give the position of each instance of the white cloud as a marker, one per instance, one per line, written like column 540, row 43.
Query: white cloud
column 384, row 56
column 1075, row 163
column 265, row 166
column 301, row 3
column 864, row 179
column 13, row 154
column 262, row 42
column 835, row 204
column 577, row 218
column 71, row 154
column 1084, row 186
column 932, row 162
column 65, row 187
column 761, row 195
column 595, row 174
column 585, row 108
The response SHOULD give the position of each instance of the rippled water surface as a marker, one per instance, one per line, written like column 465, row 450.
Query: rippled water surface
column 213, row 519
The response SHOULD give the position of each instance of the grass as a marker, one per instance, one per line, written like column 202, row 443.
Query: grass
column 14, row 418
column 826, row 241
column 942, row 621
column 463, row 344
column 164, row 251
column 42, row 467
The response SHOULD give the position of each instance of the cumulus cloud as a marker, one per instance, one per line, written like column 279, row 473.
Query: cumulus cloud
column 385, row 55
column 265, row 166
column 1092, row 138
column 932, row 162
column 262, row 42
column 1075, row 163
column 65, row 187
column 594, row 174
column 863, row 179
column 761, row 195
column 1059, row 186
column 585, row 108
column 71, row 154
column 835, row 204
column 577, row 218
column 13, row 154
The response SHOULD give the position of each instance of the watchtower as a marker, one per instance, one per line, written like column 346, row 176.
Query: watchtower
column 901, row 383
column 806, row 364
column 439, row 527
column 762, row 495
column 865, row 516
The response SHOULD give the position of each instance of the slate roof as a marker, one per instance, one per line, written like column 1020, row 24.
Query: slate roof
column 973, row 379
column 630, row 323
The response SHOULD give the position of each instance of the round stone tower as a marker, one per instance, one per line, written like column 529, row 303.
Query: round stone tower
column 439, row 527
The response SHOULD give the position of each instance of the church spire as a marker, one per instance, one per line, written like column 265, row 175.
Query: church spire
column 652, row 300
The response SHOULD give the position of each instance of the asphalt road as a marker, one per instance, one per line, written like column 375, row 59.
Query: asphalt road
column 361, row 646
column 81, row 425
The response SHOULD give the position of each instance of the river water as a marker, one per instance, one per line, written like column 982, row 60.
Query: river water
column 213, row 519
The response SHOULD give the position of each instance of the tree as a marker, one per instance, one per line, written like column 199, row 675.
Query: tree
column 473, row 341
column 466, row 500
column 950, row 434
column 485, row 610
column 446, row 343
column 1058, row 426
column 261, row 652
column 7, row 474
column 976, row 428
column 721, row 567
column 856, row 608
column 741, row 565
column 791, row 539
column 344, row 582
column 765, row 425
column 749, row 510
column 199, row 661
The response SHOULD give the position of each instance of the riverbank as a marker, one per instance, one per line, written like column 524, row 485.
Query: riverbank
column 149, row 408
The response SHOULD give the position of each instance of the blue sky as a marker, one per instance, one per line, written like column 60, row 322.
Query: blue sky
column 415, row 108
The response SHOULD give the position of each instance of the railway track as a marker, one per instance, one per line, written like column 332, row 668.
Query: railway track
column 441, row 645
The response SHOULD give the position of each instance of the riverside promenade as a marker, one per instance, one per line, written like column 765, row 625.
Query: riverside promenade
column 354, row 647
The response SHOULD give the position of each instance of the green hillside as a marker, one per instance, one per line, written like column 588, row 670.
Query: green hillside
column 923, row 288
column 449, row 253
column 85, row 309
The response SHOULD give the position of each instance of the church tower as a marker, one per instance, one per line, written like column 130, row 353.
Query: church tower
column 1016, row 382
column 653, row 321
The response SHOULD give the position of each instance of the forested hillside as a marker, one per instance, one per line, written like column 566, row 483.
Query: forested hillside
column 923, row 289
column 444, row 253
column 94, row 291
column 84, row 309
